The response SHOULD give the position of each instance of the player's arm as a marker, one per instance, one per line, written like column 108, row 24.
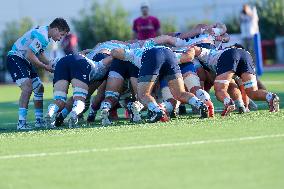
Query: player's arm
column 187, row 56
column 36, row 48
column 33, row 59
column 118, row 53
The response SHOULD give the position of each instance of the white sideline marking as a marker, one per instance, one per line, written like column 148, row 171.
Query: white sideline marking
column 141, row 147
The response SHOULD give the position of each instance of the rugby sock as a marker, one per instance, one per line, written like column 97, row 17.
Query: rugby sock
column 65, row 112
column 78, row 107
column 239, row 104
column 23, row 112
column 154, row 107
column 269, row 96
column 52, row 109
column 194, row 101
column 168, row 106
column 227, row 101
column 105, row 105
column 39, row 113
column 202, row 95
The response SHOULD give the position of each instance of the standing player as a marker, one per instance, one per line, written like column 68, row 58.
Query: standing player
column 27, row 53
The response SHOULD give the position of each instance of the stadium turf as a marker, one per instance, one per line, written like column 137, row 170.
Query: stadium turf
column 241, row 151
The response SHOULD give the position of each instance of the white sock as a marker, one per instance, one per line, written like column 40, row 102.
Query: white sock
column 52, row 109
column 202, row 95
column 78, row 107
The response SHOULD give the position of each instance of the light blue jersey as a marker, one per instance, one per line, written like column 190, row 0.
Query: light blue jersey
column 35, row 39
column 109, row 46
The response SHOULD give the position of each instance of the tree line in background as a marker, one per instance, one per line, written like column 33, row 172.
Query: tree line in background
column 102, row 22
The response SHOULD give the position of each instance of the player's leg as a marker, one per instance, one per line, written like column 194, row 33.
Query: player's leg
column 178, row 90
column 192, row 83
column 254, row 93
column 153, row 60
column 60, row 90
column 134, row 107
column 38, row 91
column 237, row 97
column 221, row 85
column 117, row 75
column 170, row 104
column 20, row 73
column 96, row 102
column 80, row 92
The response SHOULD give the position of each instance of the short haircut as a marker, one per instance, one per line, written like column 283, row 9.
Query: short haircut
column 61, row 24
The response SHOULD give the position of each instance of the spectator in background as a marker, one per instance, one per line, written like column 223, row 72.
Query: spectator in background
column 69, row 44
column 146, row 26
column 249, row 26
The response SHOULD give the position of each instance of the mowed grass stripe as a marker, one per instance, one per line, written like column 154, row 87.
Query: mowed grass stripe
column 141, row 147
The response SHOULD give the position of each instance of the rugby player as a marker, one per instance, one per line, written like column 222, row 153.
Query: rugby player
column 26, row 54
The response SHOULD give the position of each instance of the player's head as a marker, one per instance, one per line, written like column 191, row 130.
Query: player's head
column 145, row 8
column 59, row 28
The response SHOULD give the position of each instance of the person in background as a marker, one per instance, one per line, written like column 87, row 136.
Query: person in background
column 249, row 26
column 69, row 44
column 146, row 26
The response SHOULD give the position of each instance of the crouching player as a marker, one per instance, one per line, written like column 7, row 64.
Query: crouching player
column 27, row 53
column 80, row 72
column 235, row 61
column 162, row 62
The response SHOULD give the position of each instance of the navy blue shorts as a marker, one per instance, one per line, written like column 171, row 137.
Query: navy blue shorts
column 20, row 68
column 72, row 67
column 100, row 56
column 187, row 68
column 236, row 60
column 125, row 69
column 159, row 62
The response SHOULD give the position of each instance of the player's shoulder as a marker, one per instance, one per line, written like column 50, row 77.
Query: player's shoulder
column 41, row 33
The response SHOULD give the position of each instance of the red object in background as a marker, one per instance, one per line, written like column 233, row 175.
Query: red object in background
column 69, row 44
column 265, row 44
column 146, row 27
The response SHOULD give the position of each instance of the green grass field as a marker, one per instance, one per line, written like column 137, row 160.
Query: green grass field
column 241, row 151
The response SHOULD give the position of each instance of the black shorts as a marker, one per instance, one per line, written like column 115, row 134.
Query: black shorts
column 159, row 62
column 20, row 68
column 236, row 60
column 72, row 67
column 125, row 69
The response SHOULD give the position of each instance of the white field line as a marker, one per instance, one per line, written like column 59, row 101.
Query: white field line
column 140, row 147
column 273, row 82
